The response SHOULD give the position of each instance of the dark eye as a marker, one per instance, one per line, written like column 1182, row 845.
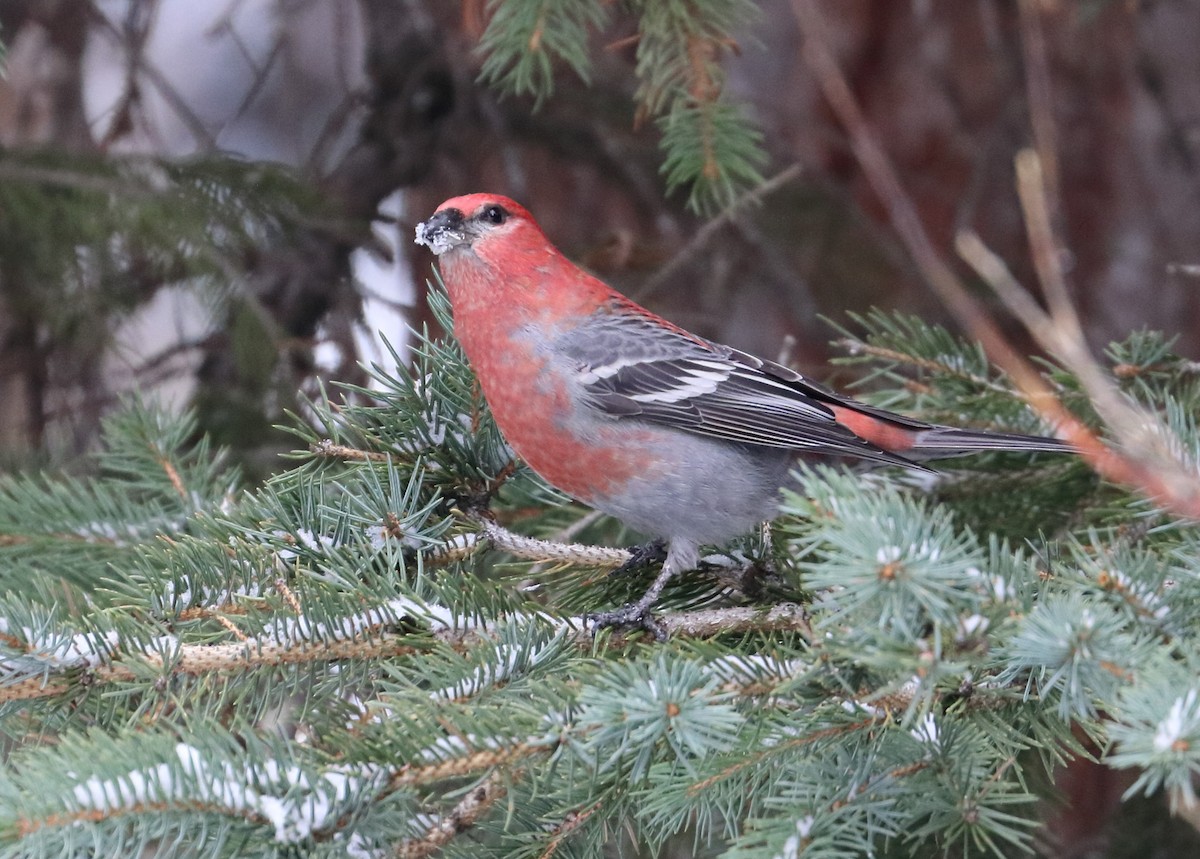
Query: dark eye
column 495, row 215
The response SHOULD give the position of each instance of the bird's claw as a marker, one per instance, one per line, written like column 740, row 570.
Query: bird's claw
column 631, row 616
column 641, row 556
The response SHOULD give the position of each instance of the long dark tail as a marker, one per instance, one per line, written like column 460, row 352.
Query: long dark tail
column 951, row 441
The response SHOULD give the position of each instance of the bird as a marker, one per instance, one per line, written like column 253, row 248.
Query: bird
column 679, row 437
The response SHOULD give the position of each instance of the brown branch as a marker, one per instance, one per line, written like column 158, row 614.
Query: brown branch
column 25, row 826
column 1177, row 492
column 704, row 89
column 568, row 825
column 328, row 449
column 539, row 28
column 457, row 548
column 462, row 817
column 534, row 549
column 796, row 742
column 1145, row 462
column 229, row 625
column 879, row 172
column 709, row 623
column 289, row 596
column 901, row 211
column 701, row 51
column 204, row 659
column 23, row 539
column 1036, row 208
column 471, row 762
column 172, row 475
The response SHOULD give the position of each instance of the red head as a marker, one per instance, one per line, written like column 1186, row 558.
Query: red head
column 493, row 254
column 478, row 223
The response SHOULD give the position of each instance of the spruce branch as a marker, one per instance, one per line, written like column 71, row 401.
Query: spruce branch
column 524, row 38
column 566, row 827
column 946, row 367
column 471, row 762
column 372, row 641
column 463, row 816
column 26, row 827
column 910, row 702
column 328, row 449
column 757, row 759
column 203, row 659
column 535, row 549
column 709, row 146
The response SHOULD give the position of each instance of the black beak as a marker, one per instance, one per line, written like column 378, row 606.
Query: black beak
column 447, row 219
column 442, row 231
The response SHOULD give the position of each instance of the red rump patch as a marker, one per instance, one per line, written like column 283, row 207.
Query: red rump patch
column 878, row 432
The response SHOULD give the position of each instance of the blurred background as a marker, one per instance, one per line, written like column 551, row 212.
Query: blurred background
column 213, row 204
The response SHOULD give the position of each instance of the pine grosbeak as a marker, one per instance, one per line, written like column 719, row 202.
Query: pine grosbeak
column 674, row 435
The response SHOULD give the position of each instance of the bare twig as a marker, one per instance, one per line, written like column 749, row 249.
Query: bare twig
column 138, row 63
column 332, row 128
column 1036, row 206
column 704, row 235
column 1179, row 492
column 262, row 73
column 1149, row 458
column 901, row 211
column 1040, row 94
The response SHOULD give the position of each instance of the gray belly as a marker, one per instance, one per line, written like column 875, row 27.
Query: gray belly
column 708, row 492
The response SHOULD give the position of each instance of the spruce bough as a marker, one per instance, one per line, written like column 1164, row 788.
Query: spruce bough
column 359, row 657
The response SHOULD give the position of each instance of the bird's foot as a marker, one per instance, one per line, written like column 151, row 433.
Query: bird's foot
column 637, row 615
column 642, row 556
column 631, row 616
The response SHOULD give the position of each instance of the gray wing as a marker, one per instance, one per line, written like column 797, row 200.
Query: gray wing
column 633, row 367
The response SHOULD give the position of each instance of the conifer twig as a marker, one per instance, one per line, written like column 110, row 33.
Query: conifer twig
column 532, row 548
column 463, row 816
column 707, row 623
column 377, row 643
column 328, row 449
column 565, row 827
column 943, row 368
column 458, row 767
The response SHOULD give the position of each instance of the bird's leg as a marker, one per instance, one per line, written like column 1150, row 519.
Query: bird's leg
column 642, row 556
column 637, row 615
